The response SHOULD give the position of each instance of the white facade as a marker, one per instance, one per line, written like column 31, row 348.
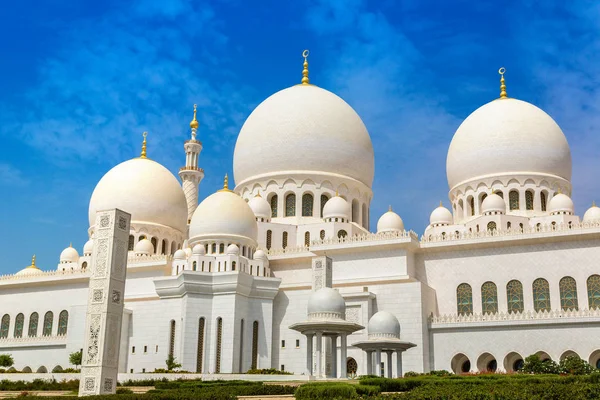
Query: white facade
column 217, row 285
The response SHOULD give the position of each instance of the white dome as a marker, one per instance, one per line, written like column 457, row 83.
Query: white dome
column 88, row 247
column 592, row 214
column 390, row 222
column 179, row 255
column 441, row 216
column 260, row 207
column 337, row 207
column 146, row 190
column 198, row 250
column 304, row 128
column 260, row 255
column 144, row 247
column 326, row 303
column 223, row 213
column 493, row 203
column 233, row 250
column 561, row 203
column 30, row 270
column 384, row 325
column 69, row 255
column 507, row 137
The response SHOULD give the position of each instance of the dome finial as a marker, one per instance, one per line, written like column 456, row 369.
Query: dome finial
column 143, row 155
column 194, row 124
column 390, row 208
column 503, row 95
column 593, row 203
column 225, row 184
column 305, row 80
column 441, row 205
column 33, row 261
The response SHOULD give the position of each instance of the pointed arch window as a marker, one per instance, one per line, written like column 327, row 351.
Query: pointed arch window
column 48, row 321
column 365, row 222
column 200, row 352
column 543, row 200
column 514, row 296
column 4, row 326
column 19, row 322
column 529, row 200
column 322, row 234
column 284, row 240
column 290, row 205
column 63, row 322
column 219, row 345
column 513, row 200
column 501, row 194
column 307, row 239
column 491, row 226
column 33, row 324
column 541, row 295
column 154, row 244
column 593, row 289
column 307, row 205
column 273, row 206
column 568, row 294
column 324, row 199
column 194, row 265
column 269, row 239
column 213, row 248
column 254, row 345
column 472, row 205
column 489, row 298
column 464, row 299
column 163, row 249
column 342, row 234
column 222, row 248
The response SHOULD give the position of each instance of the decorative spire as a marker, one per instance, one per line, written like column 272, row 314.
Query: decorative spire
column 71, row 244
column 441, row 205
column 194, row 124
column 503, row 95
column 33, row 261
column 225, row 184
column 143, row 155
column 390, row 208
column 593, row 203
column 305, row 70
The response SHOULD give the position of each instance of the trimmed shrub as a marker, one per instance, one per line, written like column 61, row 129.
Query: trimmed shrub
column 574, row 365
column 322, row 391
column 534, row 365
column 122, row 390
column 367, row 390
column 267, row 371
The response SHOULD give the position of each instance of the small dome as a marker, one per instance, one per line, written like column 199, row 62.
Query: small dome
column 233, row 250
column 384, row 325
column 326, row 303
column 88, row 247
column 493, row 204
column 561, row 203
column 592, row 214
column 260, row 255
column 390, row 222
column 198, row 250
column 179, row 255
column 260, row 207
column 144, row 247
column 441, row 216
column 30, row 270
column 336, row 207
column 69, row 255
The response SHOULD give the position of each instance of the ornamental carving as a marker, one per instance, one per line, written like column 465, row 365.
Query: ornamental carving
column 90, row 383
column 122, row 224
column 93, row 343
column 353, row 314
column 104, row 221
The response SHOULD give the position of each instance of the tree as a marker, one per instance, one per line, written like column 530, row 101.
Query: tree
column 6, row 360
column 535, row 365
column 573, row 365
column 172, row 363
column 75, row 358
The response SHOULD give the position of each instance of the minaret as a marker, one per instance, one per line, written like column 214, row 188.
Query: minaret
column 191, row 174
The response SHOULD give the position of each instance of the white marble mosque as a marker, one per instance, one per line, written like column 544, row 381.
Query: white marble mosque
column 281, row 270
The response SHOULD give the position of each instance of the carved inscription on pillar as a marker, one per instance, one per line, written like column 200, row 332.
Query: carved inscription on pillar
column 322, row 272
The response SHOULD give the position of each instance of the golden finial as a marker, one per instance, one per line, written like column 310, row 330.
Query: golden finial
column 593, row 203
column 70, row 244
column 559, row 190
column 194, row 124
column 389, row 208
column 258, row 195
column 33, row 261
column 441, row 205
column 503, row 95
column 225, row 184
column 305, row 70
column 143, row 155
column 336, row 193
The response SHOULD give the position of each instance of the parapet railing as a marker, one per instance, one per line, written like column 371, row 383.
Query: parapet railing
column 513, row 316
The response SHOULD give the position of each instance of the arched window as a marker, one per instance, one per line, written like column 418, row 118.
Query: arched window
column 307, row 205
column 489, row 298
column 33, row 325
column 499, row 193
column 355, row 210
column 491, row 226
column 529, row 200
column 290, row 205
column 163, row 250
column 274, row 206
column 513, row 200
column 48, row 321
column 130, row 243
column 233, row 265
column 221, row 248
column 255, row 345
column 142, row 237
column 508, row 225
column 322, row 234
column 472, row 205
column 307, row 239
column 154, row 244
column 514, row 296
column 481, row 199
column 324, row 199
column 194, row 265
column 241, row 367
column 464, row 299
column 173, row 248
column 541, row 295
column 219, row 345
column 4, row 326
column 214, row 248
column 568, row 294
column 284, row 240
column 593, row 289
column 543, row 200
column 172, row 339
column 19, row 322
column 84, row 265
column 63, row 322
column 200, row 351
column 342, row 234
column 269, row 239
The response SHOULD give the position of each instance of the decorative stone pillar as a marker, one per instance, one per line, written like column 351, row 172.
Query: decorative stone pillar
column 399, row 364
column 321, row 273
column 334, row 356
column 104, row 315
column 343, row 356
column 378, row 362
column 319, row 353
column 309, row 354
column 369, row 362
column 389, row 363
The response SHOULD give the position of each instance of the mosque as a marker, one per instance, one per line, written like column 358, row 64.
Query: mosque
column 280, row 269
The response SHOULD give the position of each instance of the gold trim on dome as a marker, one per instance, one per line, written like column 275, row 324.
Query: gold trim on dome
column 194, row 123
column 33, row 263
column 503, row 94
column 143, row 154
column 225, row 184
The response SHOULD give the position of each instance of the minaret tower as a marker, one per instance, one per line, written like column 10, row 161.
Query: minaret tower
column 191, row 174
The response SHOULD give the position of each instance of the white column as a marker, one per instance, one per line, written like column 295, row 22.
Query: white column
column 334, row 356
column 309, row 354
column 369, row 362
column 399, row 363
column 319, row 351
column 389, row 363
column 378, row 362
column 343, row 356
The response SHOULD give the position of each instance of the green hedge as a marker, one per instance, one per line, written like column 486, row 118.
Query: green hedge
column 39, row 384
column 326, row 390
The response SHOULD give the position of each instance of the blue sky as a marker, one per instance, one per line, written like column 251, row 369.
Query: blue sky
column 81, row 80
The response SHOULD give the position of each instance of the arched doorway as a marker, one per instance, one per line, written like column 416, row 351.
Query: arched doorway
column 351, row 367
column 487, row 363
column 594, row 359
column 568, row 353
column 513, row 362
column 460, row 364
column 543, row 355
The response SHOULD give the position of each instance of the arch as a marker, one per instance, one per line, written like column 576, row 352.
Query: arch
column 322, row 234
column 543, row 355
column 594, row 359
column 221, row 248
column 342, row 234
column 355, row 211
column 194, row 265
column 19, row 322
column 63, row 322
column 254, row 345
column 500, row 193
column 154, row 242
column 459, row 208
column 568, row 353
column 48, row 322
column 307, row 238
column 284, row 240
column 487, row 363
column 4, row 326
column 84, row 265
column 273, row 203
column 489, row 298
column 513, row 200
column 307, row 205
column 365, row 217
column 508, row 225
column 27, row 370
column 351, row 367
column 172, row 338
column 460, row 364
column 163, row 249
column 568, row 294
column 514, row 297
column 471, row 205
column 130, row 243
column 57, row 369
column 232, row 265
column 42, row 370
column 33, row 324
column 541, row 295
column 290, row 205
column 464, row 299
column 200, row 350
column 213, row 248
column 529, row 199
column 269, row 239
column 482, row 197
column 219, row 342
column 513, row 362
column 324, row 199
column 491, row 226
column 543, row 199
column 593, row 289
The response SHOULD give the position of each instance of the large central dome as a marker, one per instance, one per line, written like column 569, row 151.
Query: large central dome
column 304, row 129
